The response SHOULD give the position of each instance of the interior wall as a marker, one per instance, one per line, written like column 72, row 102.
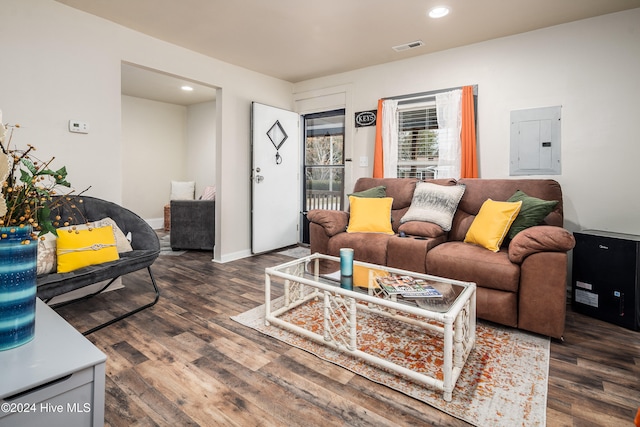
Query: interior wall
column 201, row 144
column 588, row 67
column 154, row 139
column 60, row 64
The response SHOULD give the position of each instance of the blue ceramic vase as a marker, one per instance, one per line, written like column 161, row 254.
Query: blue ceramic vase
column 18, row 257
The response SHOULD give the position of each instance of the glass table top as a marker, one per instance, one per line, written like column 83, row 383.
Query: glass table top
column 425, row 291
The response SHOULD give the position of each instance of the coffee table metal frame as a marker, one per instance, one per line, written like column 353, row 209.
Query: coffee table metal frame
column 456, row 325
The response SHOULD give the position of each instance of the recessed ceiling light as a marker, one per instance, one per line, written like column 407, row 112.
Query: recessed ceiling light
column 439, row 12
column 187, row 88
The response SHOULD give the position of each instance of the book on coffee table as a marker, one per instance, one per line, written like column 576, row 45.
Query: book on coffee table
column 407, row 287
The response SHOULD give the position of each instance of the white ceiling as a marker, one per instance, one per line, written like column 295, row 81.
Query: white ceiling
column 150, row 84
column 297, row 40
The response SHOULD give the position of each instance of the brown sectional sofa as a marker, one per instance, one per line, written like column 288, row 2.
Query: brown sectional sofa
column 522, row 285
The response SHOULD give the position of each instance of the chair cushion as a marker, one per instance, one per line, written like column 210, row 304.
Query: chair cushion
column 53, row 284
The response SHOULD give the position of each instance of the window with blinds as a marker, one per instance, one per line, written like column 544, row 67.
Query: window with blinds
column 417, row 140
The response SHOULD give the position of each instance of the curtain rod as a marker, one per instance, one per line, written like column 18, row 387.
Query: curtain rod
column 430, row 93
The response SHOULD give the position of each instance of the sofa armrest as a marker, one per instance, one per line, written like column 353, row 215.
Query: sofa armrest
column 541, row 238
column 193, row 224
column 333, row 222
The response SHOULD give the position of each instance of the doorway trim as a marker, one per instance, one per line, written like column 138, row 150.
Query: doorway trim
column 327, row 99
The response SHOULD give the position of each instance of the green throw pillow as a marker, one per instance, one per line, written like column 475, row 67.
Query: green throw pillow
column 372, row 193
column 532, row 212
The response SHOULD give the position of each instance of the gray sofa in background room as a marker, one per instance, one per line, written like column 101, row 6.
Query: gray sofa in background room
column 193, row 224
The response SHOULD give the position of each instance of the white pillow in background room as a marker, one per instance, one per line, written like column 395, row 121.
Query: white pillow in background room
column 183, row 190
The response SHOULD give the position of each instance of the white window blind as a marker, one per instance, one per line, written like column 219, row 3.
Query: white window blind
column 417, row 139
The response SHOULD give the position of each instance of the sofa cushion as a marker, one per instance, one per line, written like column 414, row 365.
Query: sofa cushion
column 367, row 247
column 434, row 203
column 375, row 192
column 480, row 189
column 533, row 212
column 463, row 261
column 409, row 253
column 492, row 223
column 370, row 215
column 400, row 189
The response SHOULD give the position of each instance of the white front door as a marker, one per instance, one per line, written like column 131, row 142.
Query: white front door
column 275, row 173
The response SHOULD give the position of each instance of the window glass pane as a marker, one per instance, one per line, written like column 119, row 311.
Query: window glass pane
column 324, row 150
column 417, row 142
column 324, row 160
column 324, row 187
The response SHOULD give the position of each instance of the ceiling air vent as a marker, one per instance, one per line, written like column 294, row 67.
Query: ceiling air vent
column 407, row 46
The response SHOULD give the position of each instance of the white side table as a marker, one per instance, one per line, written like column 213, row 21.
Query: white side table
column 57, row 379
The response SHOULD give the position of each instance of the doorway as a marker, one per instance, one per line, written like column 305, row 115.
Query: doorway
column 323, row 164
column 177, row 126
column 275, row 170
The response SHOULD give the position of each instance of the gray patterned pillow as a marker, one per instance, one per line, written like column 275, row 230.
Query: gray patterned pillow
column 46, row 260
column 434, row 203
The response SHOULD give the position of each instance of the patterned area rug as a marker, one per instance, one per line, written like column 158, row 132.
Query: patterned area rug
column 165, row 247
column 504, row 382
column 296, row 252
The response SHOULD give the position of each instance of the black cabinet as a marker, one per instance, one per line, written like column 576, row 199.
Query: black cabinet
column 606, row 277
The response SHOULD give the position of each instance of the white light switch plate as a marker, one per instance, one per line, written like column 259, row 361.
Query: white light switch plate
column 364, row 161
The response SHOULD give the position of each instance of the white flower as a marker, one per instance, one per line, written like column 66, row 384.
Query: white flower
column 5, row 166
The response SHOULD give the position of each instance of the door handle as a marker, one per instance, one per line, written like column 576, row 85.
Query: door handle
column 259, row 179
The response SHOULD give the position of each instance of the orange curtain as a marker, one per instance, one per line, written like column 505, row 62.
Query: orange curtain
column 378, row 159
column 469, row 156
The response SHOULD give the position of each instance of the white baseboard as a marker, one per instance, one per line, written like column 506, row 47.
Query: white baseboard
column 156, row 223
column 234, row 256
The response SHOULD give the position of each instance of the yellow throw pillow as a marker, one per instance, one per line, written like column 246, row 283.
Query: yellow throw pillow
column 370, row 215
column 492, row 223
column 81, row 248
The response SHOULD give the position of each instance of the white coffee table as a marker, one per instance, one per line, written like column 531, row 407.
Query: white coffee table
column 453, row 317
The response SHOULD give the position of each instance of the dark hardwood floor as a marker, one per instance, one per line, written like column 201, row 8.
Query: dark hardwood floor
column 184, row 362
